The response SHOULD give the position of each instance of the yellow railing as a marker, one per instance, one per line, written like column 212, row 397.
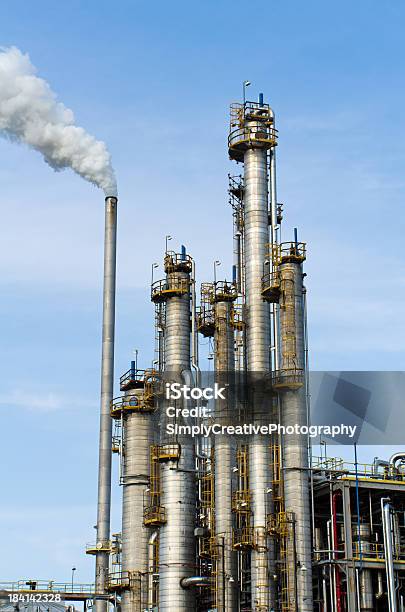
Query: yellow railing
column 168, row 287
column 129, row 403
column 94, row 547
column 364, row 470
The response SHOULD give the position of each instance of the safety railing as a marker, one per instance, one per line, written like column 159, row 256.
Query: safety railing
column 46, row 586
column 205, row 320
column 224, row 292
column 93, row 548
column 116, row 444
column 132, row 378
column 177, row 262
column 362, row 470
column 287, row 379
column 271, row 287
column 237, row 319
column 209, row 547
column 250, row 111
column 118, row 580
column 236, row 186
column 289, row 252
column 241, row 501
column 373, row 550
column 166, row 452
column 251, row 136
column 154, row 516
column 243, row 538
column 129, row 403
column 168, row 287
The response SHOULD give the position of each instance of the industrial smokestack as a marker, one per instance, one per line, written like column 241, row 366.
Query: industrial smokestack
column 31, row 114
column 107, row 385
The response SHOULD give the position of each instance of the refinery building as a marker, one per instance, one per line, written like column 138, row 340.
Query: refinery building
column 234, row 523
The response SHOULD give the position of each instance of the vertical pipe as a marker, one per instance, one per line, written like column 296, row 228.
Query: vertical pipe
column 151, row 568
column 335, row 553
column 348, row 541
column 274, row 239
column 107, row 384
column 238, row 240
column 389, row 557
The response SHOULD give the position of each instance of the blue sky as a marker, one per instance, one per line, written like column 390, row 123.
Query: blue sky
column 154, row 80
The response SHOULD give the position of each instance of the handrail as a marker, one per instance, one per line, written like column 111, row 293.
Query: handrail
column 224, row 290
column 253, row 134
column 51, row 586
column 130, row 403
column 344, row 468
column 173, row 261
column 169, row 285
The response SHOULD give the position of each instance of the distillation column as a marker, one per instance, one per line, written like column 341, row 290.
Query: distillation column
column 177, row 544
column 249, row 142
column 137, row 435
column 225, row 452
column 289, row 381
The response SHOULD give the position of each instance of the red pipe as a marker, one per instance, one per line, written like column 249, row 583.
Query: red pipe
column 335, row 554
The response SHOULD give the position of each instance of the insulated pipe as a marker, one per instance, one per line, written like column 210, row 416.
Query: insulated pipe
column 225, row 458
column 137, row 436
column 380, row 590
column 195, row 582
column 258, row 363
column 274, row 239
column 397, row 457
column 379, row 463
column 332, row 589
column 107, row 386
column 389, row 557
column 324, row 594
column 338, row 586
column 177, row 542
column 151, row 549
column 294, row 412
column 238, row 240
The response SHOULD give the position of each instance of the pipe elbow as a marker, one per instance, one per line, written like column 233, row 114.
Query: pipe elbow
column 190, row 582
column 396, row 457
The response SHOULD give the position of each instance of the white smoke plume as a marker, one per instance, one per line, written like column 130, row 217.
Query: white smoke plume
column 30, row 113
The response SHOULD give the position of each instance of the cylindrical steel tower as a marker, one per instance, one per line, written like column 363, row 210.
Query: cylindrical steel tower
column 107, row 386
column 289, row 381
column 177, row 543
column 225, row 452
column 137, row 436
column 249, row 142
